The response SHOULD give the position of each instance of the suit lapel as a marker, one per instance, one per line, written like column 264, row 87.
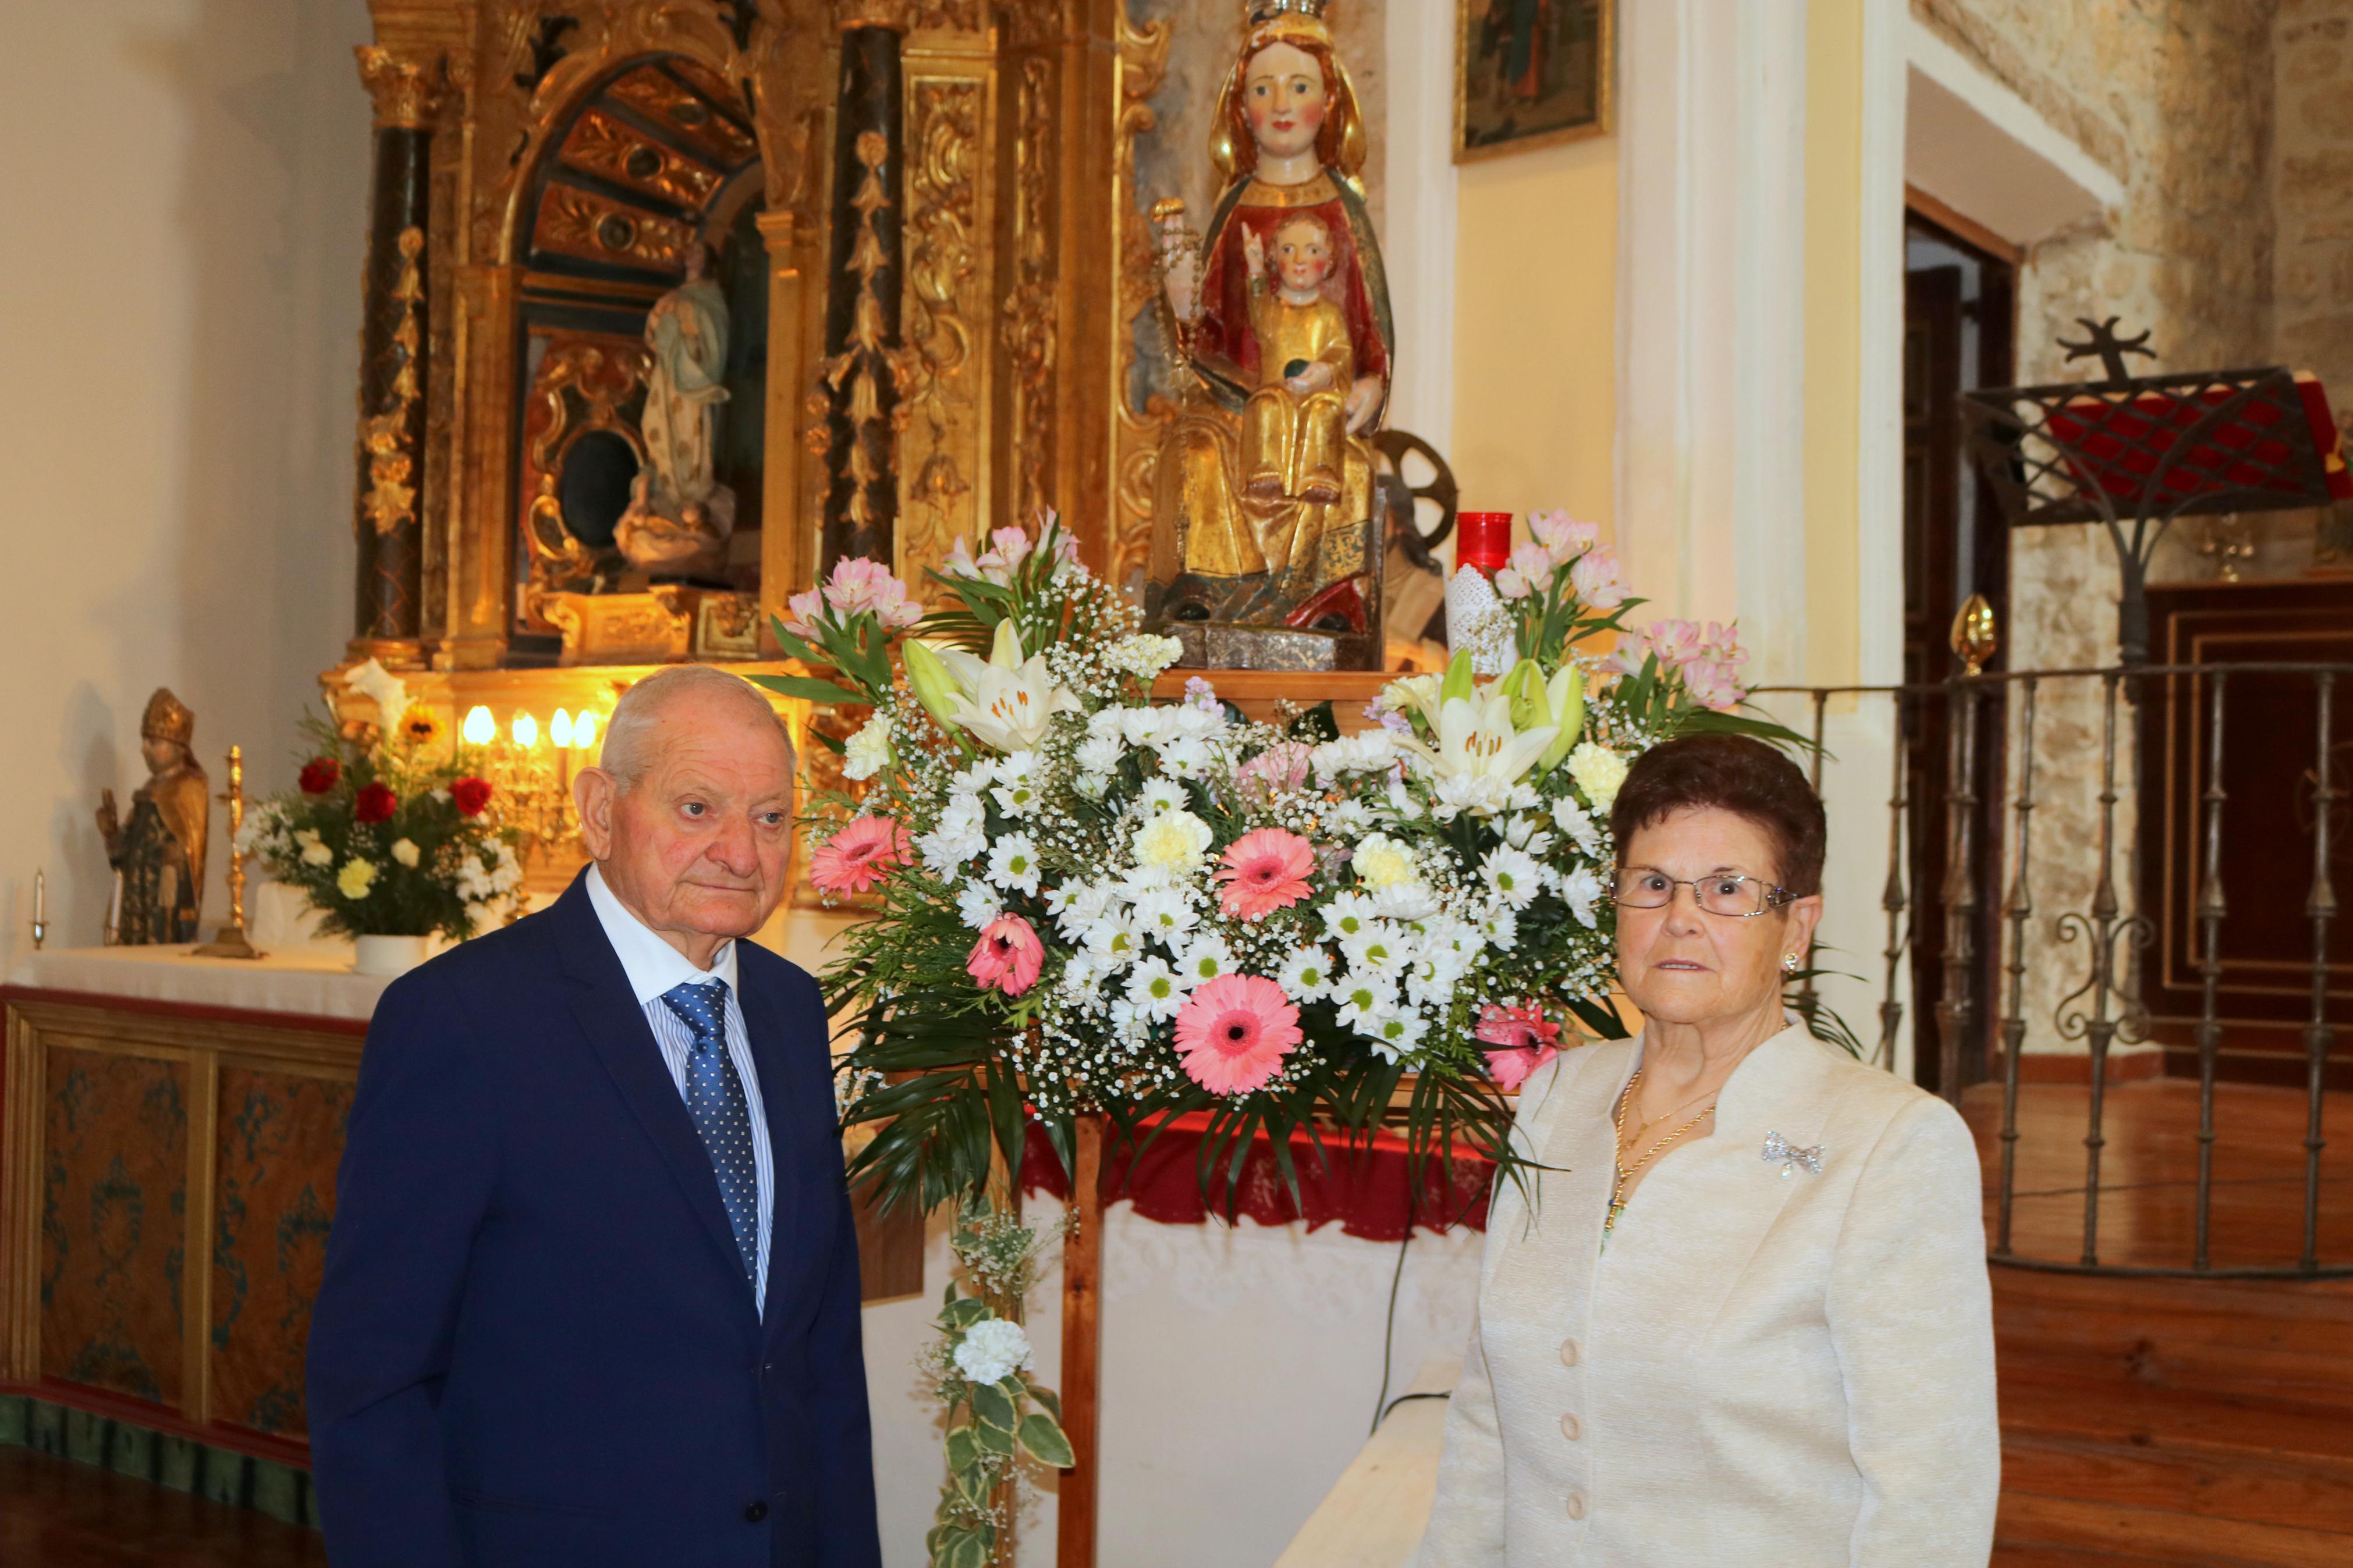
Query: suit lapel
column 607, row 1012
column 764, row 1024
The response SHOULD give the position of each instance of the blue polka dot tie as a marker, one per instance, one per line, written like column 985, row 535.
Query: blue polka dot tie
column 715, row 1099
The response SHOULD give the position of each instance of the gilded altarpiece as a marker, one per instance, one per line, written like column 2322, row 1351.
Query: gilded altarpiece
column 564, row 156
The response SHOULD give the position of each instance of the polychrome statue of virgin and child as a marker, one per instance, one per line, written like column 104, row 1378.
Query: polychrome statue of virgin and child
column 1263, row 548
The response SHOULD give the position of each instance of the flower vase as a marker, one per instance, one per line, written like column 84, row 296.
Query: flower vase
column 385, row 957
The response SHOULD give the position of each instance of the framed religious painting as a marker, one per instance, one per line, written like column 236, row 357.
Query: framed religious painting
column 1530, row 73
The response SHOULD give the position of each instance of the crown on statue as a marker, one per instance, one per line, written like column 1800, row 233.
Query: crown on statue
column 167, row 718
column 1264, row 11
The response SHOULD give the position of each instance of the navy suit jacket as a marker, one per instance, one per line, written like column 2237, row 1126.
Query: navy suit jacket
column 534, row 1344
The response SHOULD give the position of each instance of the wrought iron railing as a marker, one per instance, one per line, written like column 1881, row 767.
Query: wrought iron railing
column 2009, row 764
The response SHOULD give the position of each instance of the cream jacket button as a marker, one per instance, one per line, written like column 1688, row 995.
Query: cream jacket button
column 1576, row 1505
column 1571, row 1427
column 1568, row 1353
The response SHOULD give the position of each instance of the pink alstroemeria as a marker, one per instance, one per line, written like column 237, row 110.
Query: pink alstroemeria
column 1264, row 871
column 1530, row 569
column 1007, row 956
column 1522, row 1038
column 858, row 584
column 1595, row 578
column 1233, row 1033
column 860, row 855
column 1562, row 535
column 1280, row 767
column 802, row 612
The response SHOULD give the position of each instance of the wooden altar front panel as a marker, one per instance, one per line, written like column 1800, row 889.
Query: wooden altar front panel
column 167, row 1178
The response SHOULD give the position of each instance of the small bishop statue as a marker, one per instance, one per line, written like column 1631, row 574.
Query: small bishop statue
column 160, row 851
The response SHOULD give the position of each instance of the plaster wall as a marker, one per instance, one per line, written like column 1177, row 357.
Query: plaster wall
column 180, row 338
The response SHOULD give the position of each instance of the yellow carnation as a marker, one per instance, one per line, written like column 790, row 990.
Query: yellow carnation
column 355, row 879
column 1172, row 838
column 1599, row 771
column 1381, row 861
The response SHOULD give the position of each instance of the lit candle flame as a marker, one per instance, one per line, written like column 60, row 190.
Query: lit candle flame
column 559, row 730
column 525, row 730
column 481, row 727
column 584, row 731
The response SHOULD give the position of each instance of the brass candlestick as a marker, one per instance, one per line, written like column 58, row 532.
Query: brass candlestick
column 232, row 942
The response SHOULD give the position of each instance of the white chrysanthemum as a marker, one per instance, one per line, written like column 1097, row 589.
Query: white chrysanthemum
column 1378, row 949
column 1402, row 799
column 1143, row 726
column 978, row 904
column 1013, row 863
column 993, row 1349
column 1175, row 839
column 1522, row 831
column 1381, row 861
column 1348, row 818
column 1394, row 1030
column 405, row 851
column 1205, row 958
column 1117, row 942
column 945, row 852
column 1598, row 772
column 1306, row 975
column 1577, row 823
column 1155, row 989
column 1348, row 914
column 1167, row 914
column 314, row 852
column 1501, row 930
column 1186, row 756
column 1159, row 795
column 868, row 750
column 1514, row 874
column 1098, row 754
column 1361, row 998
column 1014, row 799
column 1411, row 900
column 1581, row 890
column 1365, row 752
column 1482, row 794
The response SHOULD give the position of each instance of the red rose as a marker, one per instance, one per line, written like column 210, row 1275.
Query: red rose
column 321, row 774
column 471, row 795
column 374, row 804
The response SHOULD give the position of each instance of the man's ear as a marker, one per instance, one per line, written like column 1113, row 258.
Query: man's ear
column 594, row 791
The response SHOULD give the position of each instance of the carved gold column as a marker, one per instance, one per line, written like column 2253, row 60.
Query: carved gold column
column 859, row 387
column 393, row 361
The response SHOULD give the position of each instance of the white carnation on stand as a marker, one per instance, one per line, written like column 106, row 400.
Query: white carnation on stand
column 993, row 1349
column 868, row 750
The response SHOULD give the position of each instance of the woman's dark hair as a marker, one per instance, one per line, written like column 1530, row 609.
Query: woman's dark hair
column 1733, row 774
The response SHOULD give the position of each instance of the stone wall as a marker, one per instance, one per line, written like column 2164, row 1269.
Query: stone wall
column 2175, row 97
column 2312, row 288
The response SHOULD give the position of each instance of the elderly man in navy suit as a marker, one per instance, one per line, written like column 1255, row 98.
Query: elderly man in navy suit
column 591, row 1298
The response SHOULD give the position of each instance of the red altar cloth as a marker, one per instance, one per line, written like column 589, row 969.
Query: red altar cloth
column 1365, row 1188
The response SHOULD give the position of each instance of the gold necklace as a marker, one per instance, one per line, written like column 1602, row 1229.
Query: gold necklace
column 1625, row 1172
column 1644, row 1126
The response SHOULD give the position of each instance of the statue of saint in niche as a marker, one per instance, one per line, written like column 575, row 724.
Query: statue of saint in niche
column 680, row 516
column 160, row 851
column 1262, row 548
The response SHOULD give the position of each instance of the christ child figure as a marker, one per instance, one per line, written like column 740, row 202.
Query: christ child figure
column 1296, row 425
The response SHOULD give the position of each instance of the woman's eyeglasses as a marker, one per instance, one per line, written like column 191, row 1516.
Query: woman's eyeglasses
column 1726, row 893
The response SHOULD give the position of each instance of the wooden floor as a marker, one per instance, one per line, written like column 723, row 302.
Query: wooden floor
column 2149, row 1172
column 55, row 1513
column 2172, row 1421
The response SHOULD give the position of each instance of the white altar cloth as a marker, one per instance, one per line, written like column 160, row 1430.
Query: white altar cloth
column 312, row 981
column 1374, row 1516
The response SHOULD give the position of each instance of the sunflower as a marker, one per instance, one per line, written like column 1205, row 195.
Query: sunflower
column 421, row 727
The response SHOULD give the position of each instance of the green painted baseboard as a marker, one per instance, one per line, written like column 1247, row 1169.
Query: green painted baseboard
column 282, row 1491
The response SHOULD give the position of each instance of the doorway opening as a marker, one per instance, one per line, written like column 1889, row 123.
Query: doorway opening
column 1959, row 332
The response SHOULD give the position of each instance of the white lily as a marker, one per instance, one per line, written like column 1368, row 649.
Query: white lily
column 1007, row 702
column 1478, row 754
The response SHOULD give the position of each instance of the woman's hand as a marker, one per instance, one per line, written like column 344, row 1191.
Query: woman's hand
column 1364, row 403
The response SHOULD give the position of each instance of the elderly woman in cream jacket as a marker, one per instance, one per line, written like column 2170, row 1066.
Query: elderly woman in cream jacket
column 1743, row 1316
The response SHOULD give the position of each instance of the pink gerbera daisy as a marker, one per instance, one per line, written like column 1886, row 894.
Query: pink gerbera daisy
column 1264, row 871
column 1234, row 1033
column 1006, row 957
column 1525, row 1039
column 859, row 857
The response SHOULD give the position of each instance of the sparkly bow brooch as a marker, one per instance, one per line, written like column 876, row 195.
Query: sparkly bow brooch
column 1791, row 1156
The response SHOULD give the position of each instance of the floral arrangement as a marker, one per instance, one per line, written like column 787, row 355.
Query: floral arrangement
column 1084, row 903
column 388, row 830
column 979, row 1368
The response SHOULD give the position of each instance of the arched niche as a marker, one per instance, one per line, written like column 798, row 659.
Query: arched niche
column 655, row 155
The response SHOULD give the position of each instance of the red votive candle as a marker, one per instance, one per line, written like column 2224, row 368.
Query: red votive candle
column 1484, row 539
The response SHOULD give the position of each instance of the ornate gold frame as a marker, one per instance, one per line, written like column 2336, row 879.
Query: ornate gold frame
column 1605, row 105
